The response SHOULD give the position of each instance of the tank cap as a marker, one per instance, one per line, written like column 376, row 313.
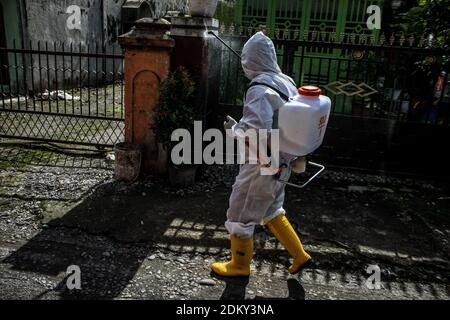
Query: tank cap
column 310, row 91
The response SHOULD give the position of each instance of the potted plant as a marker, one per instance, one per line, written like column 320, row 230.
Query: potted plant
column 176, row 110
column 203, row 8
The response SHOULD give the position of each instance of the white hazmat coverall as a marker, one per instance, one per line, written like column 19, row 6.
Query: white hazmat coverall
column 259, row 198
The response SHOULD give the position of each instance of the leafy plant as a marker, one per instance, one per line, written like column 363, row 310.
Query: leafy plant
column 175, row 109
column 427, row 16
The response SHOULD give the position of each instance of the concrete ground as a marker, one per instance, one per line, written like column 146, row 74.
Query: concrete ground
column 150, row 241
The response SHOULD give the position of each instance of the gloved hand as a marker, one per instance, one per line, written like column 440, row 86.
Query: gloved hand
column 299, row 165
column 230, row 123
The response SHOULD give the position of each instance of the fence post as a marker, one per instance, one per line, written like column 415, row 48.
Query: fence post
column 147, row 60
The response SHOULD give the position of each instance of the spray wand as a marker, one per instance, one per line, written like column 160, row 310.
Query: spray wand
column 225, row 44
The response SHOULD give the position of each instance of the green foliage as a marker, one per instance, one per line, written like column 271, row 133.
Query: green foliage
column 424, row 17
column 428, row 16
column 175, row 109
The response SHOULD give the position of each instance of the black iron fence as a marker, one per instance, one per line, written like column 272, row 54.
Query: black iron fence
column 62, row 93
column 400, row 78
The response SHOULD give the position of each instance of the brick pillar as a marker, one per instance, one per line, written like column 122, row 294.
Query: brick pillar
column 147, row 61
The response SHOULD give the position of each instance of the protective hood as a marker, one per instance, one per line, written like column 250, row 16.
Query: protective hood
column 259, row 56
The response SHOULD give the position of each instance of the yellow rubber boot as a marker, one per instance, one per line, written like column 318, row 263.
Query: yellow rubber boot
column 241, row 257
column 285, row 233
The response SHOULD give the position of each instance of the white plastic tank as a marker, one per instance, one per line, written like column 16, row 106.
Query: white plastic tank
column 303, row 121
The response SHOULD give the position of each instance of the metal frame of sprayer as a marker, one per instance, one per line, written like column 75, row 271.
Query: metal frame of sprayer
column 278, row 176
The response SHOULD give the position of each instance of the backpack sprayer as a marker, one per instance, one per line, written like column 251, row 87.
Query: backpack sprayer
column 305, row 120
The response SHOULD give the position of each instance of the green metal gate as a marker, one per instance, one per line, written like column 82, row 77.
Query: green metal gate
column 321, row 15
column 298, row 19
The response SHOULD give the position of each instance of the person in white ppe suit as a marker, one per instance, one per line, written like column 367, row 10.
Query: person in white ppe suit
column 256, row 198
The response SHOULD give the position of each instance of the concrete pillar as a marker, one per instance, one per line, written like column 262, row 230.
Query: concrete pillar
column 147, row 61
column 201, row 54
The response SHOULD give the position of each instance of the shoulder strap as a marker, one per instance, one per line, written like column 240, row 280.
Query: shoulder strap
column 292, row 81
column 281, row 94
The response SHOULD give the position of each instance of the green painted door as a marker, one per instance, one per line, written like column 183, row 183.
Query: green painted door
column 4, row 74
column 11, row 18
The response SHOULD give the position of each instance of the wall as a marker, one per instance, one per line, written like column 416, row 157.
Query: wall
column 46, row 21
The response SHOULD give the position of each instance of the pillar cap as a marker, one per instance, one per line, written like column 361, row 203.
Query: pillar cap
column 148, row 32
column 195, row 22
column 153, row 24
column 193, row 26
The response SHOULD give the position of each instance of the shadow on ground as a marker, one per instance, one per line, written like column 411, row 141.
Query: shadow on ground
column 140, row 219
column 134, row 221
column 236, row 288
